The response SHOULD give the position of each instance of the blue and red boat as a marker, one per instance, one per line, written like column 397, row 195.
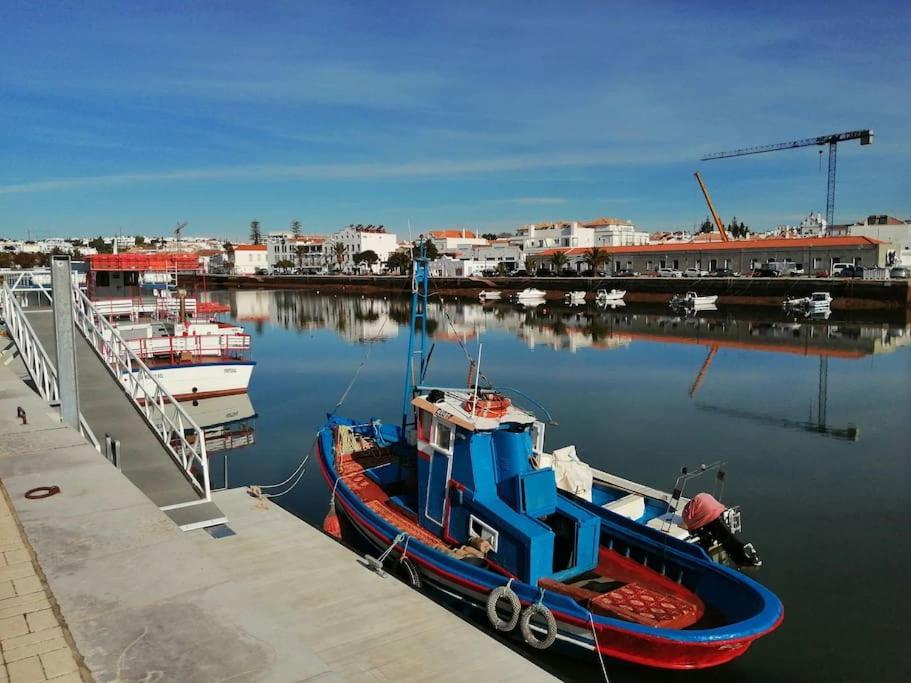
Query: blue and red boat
column 453, row 498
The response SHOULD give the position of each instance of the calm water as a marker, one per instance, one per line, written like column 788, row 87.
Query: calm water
column 829, row 515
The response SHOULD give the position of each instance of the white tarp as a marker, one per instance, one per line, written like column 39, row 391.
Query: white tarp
column 573, row 475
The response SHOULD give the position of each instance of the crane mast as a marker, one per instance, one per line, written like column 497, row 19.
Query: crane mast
column 708, row 200
column 865, row 136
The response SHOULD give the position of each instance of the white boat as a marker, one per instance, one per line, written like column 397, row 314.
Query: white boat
column 612, row 295
column 530, row 293
column 576, row 297
column 691, row 300
column 817, row 302
column 488, row 296
column 191, row 381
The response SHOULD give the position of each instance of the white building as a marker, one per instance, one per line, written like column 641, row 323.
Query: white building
column 448, row 266
column 534, row 238
column 453, row 241
column 894, row 231
column 499, row 251
column 357, row 239
column 616, row 232
column 245, row 259
column 306, row 252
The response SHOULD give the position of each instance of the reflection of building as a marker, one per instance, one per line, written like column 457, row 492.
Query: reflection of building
column 251, row 305
column 354, row 318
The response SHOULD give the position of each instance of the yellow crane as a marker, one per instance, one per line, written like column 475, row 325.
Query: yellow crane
column 708, row 200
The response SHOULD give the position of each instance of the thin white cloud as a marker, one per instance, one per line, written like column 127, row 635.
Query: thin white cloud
column 346, row 171
column 532, row 201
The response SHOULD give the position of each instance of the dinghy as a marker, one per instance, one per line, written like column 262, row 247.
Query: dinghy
column 489, row 295
column 605, row 296
column 817, row 302
column 692, row 300
column 575, row 298
column 450, row 499
column 530, row 294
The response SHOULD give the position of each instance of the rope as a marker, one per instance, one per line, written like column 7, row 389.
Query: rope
column 395, row 541
column 256, row 490
column 598, row 648
column 405, row 549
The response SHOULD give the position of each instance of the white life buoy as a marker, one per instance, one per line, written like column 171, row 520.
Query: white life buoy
column 550, row 624
column 515, row 607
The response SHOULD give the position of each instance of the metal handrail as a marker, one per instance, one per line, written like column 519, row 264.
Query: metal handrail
column 39, row 365
column 147, row 393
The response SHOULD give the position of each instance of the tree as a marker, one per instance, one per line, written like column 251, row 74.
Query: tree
column 399, row 261
column 77, row 255
column 558, row 260
column 6, row 259
column 502, row 268
column 369, row 257
column 284, row 264
column 24, row 259
column 99, row 245
column 139, row 239
column 430, row 250
column 707, row 225
column 256, row 235
column 300, row 251
column 296, row 228
column 489, row 236
column 595, row 257
column 338, row 251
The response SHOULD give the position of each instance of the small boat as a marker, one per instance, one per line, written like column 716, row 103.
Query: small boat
column 489, row 295
column 817, row 302
column 450, row 497
column 575, row 298
column 612, row 295
column 530, row 293
column 691, row 299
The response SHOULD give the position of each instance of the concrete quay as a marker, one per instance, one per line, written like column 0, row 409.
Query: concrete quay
column 126, row 596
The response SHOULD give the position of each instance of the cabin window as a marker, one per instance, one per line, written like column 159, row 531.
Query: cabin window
column 537, row 437
column 103, row 279
column 478, row 529
column 442, row 436
column 131, row 278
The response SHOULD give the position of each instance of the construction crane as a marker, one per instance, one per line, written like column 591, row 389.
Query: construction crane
column 865, row 137
column 708, row 200
column 178, row 230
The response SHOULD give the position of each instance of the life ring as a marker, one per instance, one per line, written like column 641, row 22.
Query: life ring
column 40, row 492
column 530, row 636
column 410, row 574
column 488, row 405
column 515, row 607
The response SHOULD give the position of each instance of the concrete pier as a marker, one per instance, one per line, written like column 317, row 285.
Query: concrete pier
column 276, row 601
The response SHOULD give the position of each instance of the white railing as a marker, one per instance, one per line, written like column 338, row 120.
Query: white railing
column 37, row 362
column 220, row 345
column 133, row 308
column 177, row 431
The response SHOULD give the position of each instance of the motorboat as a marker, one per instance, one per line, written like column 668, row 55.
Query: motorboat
column 575, row 298
column 530, row 293
column 489, row 295
column 817, row 302
column 605, row 295
column 691, row 300
column 451, row 499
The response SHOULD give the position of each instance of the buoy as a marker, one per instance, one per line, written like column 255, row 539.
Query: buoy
column 331, row 523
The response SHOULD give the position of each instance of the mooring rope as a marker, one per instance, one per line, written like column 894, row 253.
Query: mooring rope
column 598, row 647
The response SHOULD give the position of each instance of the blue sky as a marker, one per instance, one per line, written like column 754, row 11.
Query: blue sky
column 121, row 117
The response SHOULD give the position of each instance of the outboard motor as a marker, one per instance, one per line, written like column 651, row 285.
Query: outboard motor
column 704, row 516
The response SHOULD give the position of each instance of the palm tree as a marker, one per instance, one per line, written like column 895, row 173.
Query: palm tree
column 296, row 228
column 255, row 234
column 595, row 257
column 338, row 250
column 300, row 255
column 558, row 260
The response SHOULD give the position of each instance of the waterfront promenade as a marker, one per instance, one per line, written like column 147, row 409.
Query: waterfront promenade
column 276, row 601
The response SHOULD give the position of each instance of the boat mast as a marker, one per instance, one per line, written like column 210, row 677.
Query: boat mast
column 420, row 280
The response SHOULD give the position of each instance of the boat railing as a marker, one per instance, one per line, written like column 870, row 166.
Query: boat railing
column 158, row 306
column 181, row 437
column 225, row 346
column 36, row 360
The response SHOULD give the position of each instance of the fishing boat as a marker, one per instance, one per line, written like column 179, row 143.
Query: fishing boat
column 451, row 498
column 692, row 300
column 575, row 298
column 605, row 295
column 489, row 295
column 530, row 294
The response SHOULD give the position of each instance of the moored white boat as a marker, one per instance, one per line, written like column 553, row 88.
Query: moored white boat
column 575, row 297
column 691, row 299
column 188, row 381
column 817, row 302
column 489, row 295
column 530, row 293
column 610, row 295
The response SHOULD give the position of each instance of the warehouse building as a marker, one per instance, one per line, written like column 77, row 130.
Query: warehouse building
column 812, row 254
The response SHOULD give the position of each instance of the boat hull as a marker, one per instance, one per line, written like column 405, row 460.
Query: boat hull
column 575, row 626
column 190, row 381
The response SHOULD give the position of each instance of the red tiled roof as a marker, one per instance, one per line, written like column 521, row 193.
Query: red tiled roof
column 800, row 242
column 440, row 234
column 248, row 247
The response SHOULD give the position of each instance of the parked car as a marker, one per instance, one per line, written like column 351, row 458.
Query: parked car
column 569, row 272
column 900, row 272
column 842, row 270
column 695, row 272
column 723, row 272
column 668, row 272
column 545, row 272
column 262, row 271
column 626, row 273
column 593, row 273
column 490, row 272
column 520, row 273
column 766, row 272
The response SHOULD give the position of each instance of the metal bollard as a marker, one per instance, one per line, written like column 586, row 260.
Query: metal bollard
column 20, row 414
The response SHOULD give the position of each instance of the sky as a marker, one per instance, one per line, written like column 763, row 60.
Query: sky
column 129, row 117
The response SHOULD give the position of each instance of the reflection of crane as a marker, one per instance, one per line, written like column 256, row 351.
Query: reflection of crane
column 850, row 433
column 708, row 200
column 865, row 137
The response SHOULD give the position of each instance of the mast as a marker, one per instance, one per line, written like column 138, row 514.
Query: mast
column 420, row 280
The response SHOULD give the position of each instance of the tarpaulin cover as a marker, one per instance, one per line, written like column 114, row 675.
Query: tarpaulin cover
column 701, row 510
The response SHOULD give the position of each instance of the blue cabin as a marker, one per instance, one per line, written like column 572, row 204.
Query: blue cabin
column 476, row 480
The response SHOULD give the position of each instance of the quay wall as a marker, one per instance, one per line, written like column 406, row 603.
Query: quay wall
column 847, row 293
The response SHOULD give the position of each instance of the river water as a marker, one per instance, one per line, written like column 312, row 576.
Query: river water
column 812, row 417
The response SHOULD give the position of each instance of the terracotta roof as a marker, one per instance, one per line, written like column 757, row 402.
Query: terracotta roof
column 208, row 252
column 605, row 220
column 795, row 243
column 248, row 247
column 440, row 234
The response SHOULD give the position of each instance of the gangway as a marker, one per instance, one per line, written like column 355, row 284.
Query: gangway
column 120, row 397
